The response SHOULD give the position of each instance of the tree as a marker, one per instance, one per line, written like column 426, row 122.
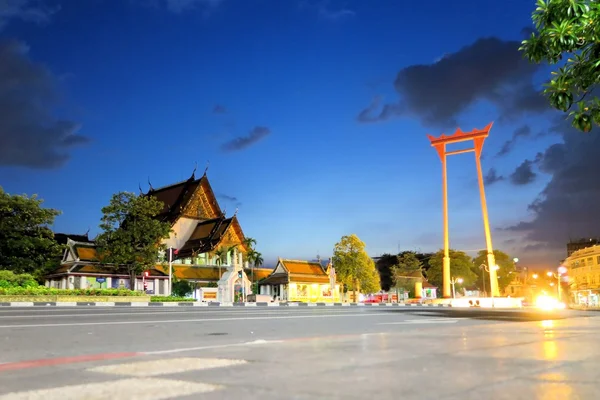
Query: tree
column 460, row 267
column 407, row 270
column 385, row 265
column 27, row 243
column 131, row 235
column 569, row 29
column 353, row 265
column 505, row 272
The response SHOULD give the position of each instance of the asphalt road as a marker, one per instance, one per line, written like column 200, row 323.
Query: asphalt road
column 288, row 352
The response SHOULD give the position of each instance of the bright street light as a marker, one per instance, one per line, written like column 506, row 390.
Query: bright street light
column 534, row 276
column 454, row 281
column 516, row 260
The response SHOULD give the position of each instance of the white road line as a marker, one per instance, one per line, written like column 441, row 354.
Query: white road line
column 169, row 312
column 167, row 366
column 422, row 321
column 139, row 389
column 173, row 321
column 211, row 347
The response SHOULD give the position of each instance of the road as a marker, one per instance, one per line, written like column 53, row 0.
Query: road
column 296, row 353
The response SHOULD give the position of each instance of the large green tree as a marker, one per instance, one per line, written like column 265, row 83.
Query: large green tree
column 568, row 33
column 354, row 267
column 506, row 271
column 407, row 271
column 131, row 235
column 27, row 243
column 460, row 267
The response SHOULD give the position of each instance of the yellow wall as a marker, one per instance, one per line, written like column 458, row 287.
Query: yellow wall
column 313, row 292
column 584, row 268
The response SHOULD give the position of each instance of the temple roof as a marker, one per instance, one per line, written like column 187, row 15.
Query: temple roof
column 175, row 197
column 297, row 271
column 63, row 238
column 205, row 237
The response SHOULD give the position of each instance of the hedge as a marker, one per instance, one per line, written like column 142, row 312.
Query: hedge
column 45, row 291
column 169, row 299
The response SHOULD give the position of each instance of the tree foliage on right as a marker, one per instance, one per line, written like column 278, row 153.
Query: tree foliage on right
column 568, row 32
column 354, row 267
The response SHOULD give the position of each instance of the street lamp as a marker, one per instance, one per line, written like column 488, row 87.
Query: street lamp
column 560, row 271
column 454, row 281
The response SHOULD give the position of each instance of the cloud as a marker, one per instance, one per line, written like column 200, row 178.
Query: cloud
column 507, row 147
column 523, row 174
column 230, row 199
column 568, row 205
column 178, row 6
column 489, row 69
column 492, row 177
column 219, row 109
column 25, row 10
column 243, row 142
column 30, row 135
column 326, row 11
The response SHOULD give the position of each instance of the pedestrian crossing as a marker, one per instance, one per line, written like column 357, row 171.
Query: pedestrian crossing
column 139, row 380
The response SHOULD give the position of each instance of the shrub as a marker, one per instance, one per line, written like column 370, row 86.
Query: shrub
column 9, row 279
column 45, row 291
column 169, row 299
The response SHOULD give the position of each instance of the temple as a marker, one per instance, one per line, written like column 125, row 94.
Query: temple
column 302, row 281
column 208, row 248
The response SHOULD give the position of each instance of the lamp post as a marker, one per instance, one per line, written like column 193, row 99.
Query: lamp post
column 454, row 281
column 493, row 270
column 559, row 273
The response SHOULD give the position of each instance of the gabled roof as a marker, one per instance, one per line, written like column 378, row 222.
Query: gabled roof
column 297, row 271
column 63, row 238
column 176, row 197
column 205, row 237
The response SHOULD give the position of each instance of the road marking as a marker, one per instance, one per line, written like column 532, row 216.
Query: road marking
column 422, row 321
column 211, row 347
column 177, row 321
column 139, row 389
column 44, row 314
column 63, row 360
column 165, row 366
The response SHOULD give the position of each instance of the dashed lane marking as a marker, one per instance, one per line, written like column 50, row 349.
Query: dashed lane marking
column 125, row 389
column 165, row 366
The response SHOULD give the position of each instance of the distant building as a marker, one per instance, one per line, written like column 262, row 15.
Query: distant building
column 575, row 245
column 584, row 275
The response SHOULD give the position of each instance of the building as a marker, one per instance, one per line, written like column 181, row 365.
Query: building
column 575, row 245
column 208, row 248
column 302, row 281
column 583, row 268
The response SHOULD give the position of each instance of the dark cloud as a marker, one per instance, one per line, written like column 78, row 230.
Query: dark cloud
column 219, row 109
column 243, row 142
column 230, row 199
column 507, row 147
column 489, row 69
column 523, row 174
column 30, row 135
column 26, row 10
column 568, row 205
column 492, row 177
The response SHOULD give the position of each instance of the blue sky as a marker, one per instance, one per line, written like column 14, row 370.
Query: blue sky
column 140, row 82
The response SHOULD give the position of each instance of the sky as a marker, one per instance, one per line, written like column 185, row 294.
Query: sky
column 312, row 117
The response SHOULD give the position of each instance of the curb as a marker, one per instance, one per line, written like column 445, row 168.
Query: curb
column 210, row 304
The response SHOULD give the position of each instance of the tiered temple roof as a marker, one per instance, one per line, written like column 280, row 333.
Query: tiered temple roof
column 297, row 271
